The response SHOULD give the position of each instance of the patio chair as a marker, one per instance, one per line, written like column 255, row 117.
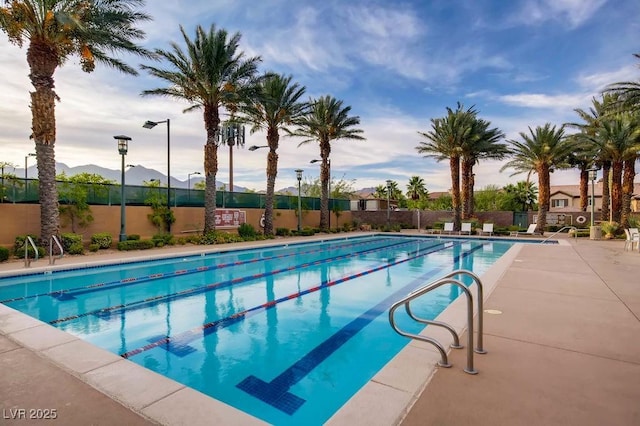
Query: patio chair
column 448, row 227
column 530, row 231
column 487, row 228
column 465, row 228
column 633, row 238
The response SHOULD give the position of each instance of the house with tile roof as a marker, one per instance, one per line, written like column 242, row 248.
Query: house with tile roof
column 567, row 197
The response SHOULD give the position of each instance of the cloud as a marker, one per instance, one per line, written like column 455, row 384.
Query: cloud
column 540, row 100
column 597, row 82
column 573, row 12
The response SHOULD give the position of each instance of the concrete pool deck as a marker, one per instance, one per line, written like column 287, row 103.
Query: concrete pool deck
column 566, row 349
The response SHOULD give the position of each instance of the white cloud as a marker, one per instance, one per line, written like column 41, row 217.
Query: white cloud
column 573, row 12
column 540, row 100
column 598, row 81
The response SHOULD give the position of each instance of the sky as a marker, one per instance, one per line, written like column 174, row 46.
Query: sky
column 398, row 64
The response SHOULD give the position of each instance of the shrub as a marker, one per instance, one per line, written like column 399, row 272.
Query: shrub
column 133, row 237
column 283, row 232
column 102, row 239
column 94, row 247
column 4, row 254
column 161, row 240
column 68, row 239
column 247, row 231
column 609, row 228
column 76, row 248
column 135, row 245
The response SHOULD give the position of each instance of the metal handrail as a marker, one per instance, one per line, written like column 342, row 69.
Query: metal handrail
column 52, row 259
column 479, row 341
column 575, row 234
column 27, row 261
column 419, row 292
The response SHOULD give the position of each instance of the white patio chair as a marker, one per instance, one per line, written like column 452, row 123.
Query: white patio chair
column 487, row 228
column 530, row 231
column 448, row 227
column 633, row 238
column 465, row 228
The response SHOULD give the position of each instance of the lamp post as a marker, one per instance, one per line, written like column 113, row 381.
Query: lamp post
column 123, row 147
column 254, row 147
column 189, row 183
column 388, row 203
column 299, row 177
column 593, row 175
column 232, row 133
column 150, row 125
column 328, row 184
column 26, row 184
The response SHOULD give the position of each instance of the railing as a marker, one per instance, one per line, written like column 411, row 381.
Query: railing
column 27, row 261
column 575, row 233
column 444, row 362
column 52, row 259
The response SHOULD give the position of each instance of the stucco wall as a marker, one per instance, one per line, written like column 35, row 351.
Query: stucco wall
column 20, row 219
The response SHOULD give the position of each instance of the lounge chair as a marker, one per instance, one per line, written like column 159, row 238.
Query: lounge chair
column 448, row 227
column 465, row 228
column 633, row 238
column 530, row 231
column 487, row 228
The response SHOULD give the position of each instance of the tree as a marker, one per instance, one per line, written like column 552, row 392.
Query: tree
column 445, row 142
column 74, row 192
column 628, row 93
column 210, row 73
column 161, row 216
column 327, row 120
column 54, row 31
column 276, row 106
column 542, row 151
column 521, row 196
column 416, row 188
column 482, row 142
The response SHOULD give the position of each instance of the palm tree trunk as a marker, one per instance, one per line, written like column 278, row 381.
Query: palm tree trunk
column 616, row 190
column 325, row 150
column 543, row 197
column 606, row 171
column 42, row 60
column 466, row 185
column 212, row 122
column 272, row 170
column 584, row 188
column 628, row 175
column 454, row 164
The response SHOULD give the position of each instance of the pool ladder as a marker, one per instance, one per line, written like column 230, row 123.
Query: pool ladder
column 447, row 279
column 52, row 259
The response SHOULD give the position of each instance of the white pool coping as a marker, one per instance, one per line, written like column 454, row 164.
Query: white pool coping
column 384, row 400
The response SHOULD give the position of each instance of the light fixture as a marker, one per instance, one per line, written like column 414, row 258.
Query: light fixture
column 150, row 125
column 123, row 147
column 299, row 177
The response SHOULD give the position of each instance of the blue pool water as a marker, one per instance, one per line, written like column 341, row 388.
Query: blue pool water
column 285, row 333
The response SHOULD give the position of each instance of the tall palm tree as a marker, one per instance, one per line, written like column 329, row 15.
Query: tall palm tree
column 209, row 73
column 56, row 30
column 277, row 106
column 482, row 143
column 445, row 142
column 628, row 92
column 327, row 120
column 542, row 151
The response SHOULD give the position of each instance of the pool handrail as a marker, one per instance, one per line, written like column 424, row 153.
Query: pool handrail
column 27, row 261
column 444, row 362
column 52, row 259
column 569, row 227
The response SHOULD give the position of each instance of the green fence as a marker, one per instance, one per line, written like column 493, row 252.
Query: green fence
column 26, row 191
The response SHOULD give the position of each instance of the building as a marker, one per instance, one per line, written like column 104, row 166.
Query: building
column 567, row 198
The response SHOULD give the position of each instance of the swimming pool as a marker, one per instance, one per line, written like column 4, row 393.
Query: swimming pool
column 286, row 333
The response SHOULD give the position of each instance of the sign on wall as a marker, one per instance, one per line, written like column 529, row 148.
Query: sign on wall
column 229, row 218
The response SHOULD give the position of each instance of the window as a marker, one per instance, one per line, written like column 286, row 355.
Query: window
column 562, row 202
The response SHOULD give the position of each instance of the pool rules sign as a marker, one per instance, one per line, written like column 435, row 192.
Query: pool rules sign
column 228, row 218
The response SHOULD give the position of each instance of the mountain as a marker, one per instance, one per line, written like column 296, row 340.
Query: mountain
column 136, row 175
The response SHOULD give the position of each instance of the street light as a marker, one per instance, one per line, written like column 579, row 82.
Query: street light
column 189, row 183
column 123, row 147
column 150, row 125
column 254, row 147
column 388, row 203
column 593, row 175
column 231, row 134
column 329, row 184
column 299, row 177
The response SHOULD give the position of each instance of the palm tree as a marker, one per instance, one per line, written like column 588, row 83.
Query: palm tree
column 544, row 150
column 416, row 188
column 277, row 106
column 628, row 92
column 56, row 30
column 523, row 193
column 482, row 143
column 445, row 141
column 211, row 73
column 380, row 191
column 327, row 120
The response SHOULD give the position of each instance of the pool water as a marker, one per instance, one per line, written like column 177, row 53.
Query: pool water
column 286, row 333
